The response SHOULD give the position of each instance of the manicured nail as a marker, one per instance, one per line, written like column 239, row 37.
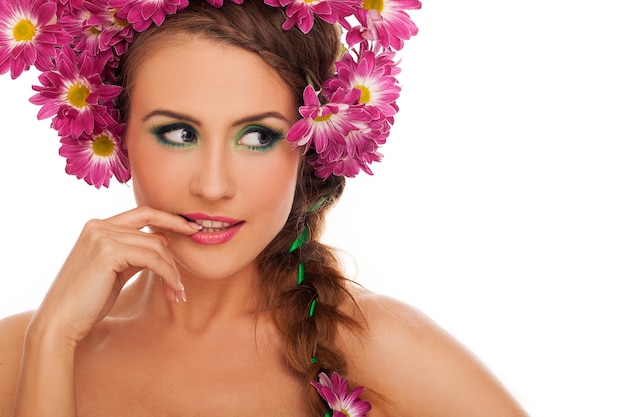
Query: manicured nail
column 195, row 225
column 183, row 295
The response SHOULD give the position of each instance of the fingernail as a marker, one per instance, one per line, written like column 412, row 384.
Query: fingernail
column 195, row 225
column 184, row 296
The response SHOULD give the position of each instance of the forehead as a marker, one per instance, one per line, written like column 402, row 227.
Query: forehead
column 205, row 76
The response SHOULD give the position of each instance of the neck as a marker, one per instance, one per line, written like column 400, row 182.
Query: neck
column 209, row 302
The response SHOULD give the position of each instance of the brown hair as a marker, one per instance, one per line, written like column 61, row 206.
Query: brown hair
column 299, row 59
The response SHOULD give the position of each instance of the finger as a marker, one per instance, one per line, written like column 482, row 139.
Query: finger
column 172, row 295
column 154, row 241
column 104, row 228
column 129, row 259
column 169, row 293
column 146, row 216
column 98, row 230
column 162, row 237
column 122, row 249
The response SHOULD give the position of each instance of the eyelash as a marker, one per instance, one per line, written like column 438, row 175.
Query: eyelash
column 161, row 131
column 274, row 136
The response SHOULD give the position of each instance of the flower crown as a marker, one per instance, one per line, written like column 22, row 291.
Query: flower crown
column 78, row 44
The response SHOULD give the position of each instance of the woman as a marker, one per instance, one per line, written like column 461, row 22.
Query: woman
column 237, row 309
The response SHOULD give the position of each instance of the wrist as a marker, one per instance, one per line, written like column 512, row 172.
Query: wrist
column 43, row 333
column 46, row 383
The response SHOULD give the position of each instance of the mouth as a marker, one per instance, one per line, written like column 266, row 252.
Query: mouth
column 212, row 226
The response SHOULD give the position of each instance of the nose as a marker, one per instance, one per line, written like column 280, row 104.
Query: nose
column 213, row 179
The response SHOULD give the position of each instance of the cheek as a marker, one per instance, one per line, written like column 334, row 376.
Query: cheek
column 153, row 174
column 273, row 188
column 277, row 196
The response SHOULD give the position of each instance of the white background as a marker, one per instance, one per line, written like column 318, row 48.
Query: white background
column 499, row 209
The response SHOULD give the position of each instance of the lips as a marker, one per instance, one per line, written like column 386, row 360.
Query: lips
column 215, row 229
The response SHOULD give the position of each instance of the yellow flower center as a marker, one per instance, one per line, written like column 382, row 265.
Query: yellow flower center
column 116, row 21
column 24, row 31
column 121, row 23
column 94, row 30
column 77, row 95
column 374, row 4
column 345, row 413
column 323, row 118
column 103, row 146
column 365, row 94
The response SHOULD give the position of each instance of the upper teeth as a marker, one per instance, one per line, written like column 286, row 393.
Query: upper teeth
column 212, row 224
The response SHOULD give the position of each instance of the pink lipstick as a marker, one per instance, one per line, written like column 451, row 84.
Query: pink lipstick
column 215, row 229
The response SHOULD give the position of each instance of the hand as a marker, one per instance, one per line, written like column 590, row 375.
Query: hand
column 107, row 254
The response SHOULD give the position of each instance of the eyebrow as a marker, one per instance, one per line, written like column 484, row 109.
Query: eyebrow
column 171, row 114
column 187, row 118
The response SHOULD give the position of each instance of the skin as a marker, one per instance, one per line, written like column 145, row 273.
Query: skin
column 137, row 352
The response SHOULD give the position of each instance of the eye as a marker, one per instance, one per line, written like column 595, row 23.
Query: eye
column 176, row 134
column 259, row 137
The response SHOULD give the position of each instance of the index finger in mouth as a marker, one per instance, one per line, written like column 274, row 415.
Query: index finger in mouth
column 146, row 216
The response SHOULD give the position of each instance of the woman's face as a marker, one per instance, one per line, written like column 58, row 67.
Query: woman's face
column 206, row 140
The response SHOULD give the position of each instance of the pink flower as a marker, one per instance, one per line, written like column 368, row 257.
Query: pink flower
column 359, row 152
column 353, row 154
column 78, row 44
column 142, row 13
column 334, row 391
column 75, row 95
column 385, row 21
column 343, row 133
column 28, row 35
column 97, row 31
column 372, row 72
column 96, row 158
column 302, row 12
column 326, row 124
column 73, row 4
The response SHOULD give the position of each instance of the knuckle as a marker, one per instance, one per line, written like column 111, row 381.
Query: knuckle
column 106, row 246
column 144, row 212
column 97, row 235
column 92, row 224
column 94, row 230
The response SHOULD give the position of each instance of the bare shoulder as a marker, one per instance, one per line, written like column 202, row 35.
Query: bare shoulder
column 12, row 331
column 416, row 368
